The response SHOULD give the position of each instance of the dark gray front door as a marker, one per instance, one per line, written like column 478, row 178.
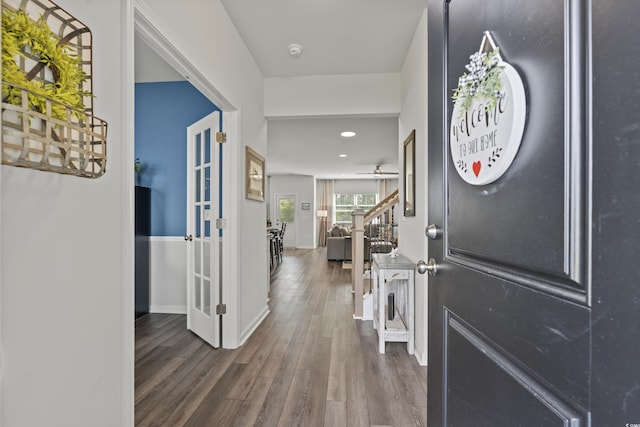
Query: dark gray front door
column 526, row 320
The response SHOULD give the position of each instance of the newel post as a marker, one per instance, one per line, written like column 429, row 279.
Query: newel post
column 357, row 260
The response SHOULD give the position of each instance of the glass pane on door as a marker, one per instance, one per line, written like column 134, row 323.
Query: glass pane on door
column 206, row 270
column 198, row 148
column 206, row 297
column 197, row 294
column 207, row 146
column 197, row 258
column 207, row 184
column 197, row 222
column 286, row 210
column 197, row 186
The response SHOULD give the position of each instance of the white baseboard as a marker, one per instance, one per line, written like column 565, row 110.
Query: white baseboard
column 421, row 358
column 253, row 326
column 168, row 309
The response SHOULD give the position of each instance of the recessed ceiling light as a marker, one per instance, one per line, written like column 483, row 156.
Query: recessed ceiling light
column 343, row 155
column 347, row 134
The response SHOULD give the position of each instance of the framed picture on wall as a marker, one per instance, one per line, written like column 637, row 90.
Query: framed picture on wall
column 254, row 175
column 409, row 174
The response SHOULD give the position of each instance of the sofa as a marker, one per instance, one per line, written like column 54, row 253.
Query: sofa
column 339, row 244
column 336, row 242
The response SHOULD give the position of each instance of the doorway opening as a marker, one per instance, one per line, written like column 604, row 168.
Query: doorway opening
column 151, row 34
column 285, row 206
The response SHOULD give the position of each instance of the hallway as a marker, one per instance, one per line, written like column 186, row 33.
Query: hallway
column 308, row 364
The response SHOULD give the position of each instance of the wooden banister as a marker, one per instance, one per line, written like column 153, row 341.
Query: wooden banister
column 383, row 206
column 359, row 220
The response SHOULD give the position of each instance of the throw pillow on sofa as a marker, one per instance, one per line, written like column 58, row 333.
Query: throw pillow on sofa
column 336, row 231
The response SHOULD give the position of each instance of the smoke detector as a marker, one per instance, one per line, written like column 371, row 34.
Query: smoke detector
column 295, row 50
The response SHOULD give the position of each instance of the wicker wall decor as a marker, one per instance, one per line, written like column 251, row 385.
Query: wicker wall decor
column 47, row 102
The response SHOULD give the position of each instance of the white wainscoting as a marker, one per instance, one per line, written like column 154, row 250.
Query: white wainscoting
column 168, row 275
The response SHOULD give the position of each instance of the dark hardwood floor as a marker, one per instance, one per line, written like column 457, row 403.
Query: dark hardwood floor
column 308, row 364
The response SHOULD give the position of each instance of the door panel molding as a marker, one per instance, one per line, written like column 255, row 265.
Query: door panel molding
column 565, row 278
column 538, row 398
column 548, row 335
column 560, row 287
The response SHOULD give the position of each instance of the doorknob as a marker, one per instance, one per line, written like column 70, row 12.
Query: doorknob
column 432, row 232
column 188, row 238
column 430, row 266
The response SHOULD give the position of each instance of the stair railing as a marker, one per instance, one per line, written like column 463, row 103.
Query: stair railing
column 374, row 217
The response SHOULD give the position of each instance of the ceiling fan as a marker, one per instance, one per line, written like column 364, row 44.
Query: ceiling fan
column 377, row 172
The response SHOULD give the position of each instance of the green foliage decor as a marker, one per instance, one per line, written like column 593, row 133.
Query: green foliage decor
column 21, row 34
column 481, row 82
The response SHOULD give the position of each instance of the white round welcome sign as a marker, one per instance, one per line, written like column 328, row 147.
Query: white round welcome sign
column 485, row 138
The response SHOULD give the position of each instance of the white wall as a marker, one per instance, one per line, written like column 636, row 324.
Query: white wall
column 355, row 186
column 303, row 186
column 150, row 67
column 364, row 94
column 67, row 289
column 208, row 40
column 412, row 242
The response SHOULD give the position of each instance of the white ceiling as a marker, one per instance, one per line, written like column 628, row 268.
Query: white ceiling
column 338, row 37
column 302, row 146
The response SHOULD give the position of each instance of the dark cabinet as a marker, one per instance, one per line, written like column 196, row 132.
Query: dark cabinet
column 142, row 264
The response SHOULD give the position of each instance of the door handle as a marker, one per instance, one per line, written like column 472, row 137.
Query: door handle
column 432, row 232
column 430, row 266
column 188, row 238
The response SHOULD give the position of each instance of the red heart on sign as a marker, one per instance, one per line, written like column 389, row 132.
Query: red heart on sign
column 476, row 168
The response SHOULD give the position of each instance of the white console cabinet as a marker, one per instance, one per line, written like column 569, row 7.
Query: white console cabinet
column 393, row 275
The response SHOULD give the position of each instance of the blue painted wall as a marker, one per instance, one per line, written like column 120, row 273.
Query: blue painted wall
column 163, row 112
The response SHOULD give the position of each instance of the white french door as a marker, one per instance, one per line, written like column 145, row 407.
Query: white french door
column 203, row 247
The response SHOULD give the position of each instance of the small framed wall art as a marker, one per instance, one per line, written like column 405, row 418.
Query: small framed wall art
column 254, row 175
column 409, row 174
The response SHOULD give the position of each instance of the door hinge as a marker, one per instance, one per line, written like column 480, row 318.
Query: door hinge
column 221, row 223
column 221, row 309
column 221, row 137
